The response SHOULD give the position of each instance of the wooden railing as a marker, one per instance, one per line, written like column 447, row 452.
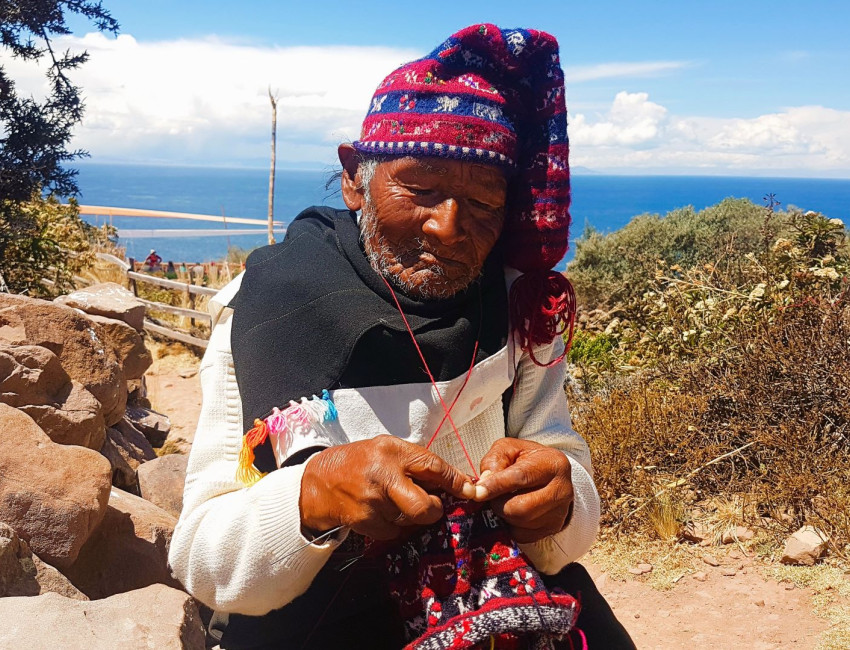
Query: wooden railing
column 188, row 289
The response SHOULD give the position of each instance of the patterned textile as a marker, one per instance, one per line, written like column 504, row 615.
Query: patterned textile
column 464, row 583
column 495, row 96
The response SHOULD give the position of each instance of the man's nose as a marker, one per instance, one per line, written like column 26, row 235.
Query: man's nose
column 444, row 223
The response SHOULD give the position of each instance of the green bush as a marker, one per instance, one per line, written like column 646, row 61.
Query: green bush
column 43, row 239
column 610, row 268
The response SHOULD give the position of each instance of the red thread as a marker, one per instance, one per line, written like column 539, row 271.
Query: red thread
column 446, row 409
column 542, row 306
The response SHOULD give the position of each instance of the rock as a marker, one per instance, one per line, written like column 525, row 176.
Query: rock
column 701, row 576
column 710, row 560
column 695, row 532
column 157, row 618
column 805, row 547
column 137, row 393
column 728, row 571
column 137, row 448
column 53, row 495
column 12, row 551
column 738, row 534
column 73, row 338
column 155, row 426
column 110, row 300
column 161, row 482
column 128, row 344
column 33, row 380
column 129, row 550
column 758, row 603
column 24, row 574
column 125, row 454
column 641, row 569
column 187, row 373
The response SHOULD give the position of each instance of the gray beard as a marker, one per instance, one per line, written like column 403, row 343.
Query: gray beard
column 380, row 257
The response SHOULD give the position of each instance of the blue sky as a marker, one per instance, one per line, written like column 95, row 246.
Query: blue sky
column 745, row 87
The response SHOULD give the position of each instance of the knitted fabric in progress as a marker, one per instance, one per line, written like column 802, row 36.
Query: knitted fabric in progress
column 464, row 583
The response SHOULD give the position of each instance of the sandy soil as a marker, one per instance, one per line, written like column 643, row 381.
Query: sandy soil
column 744, row 610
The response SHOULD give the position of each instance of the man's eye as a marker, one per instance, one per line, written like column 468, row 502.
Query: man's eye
column 482, row 205
column 420, row 191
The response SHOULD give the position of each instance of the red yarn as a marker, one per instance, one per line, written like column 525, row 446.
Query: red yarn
column 542, row 306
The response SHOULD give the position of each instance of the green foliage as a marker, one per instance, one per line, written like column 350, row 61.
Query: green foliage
column 43, row 238
column 34, row 138
column 34, row 135
column 722, row 375
column 610, row 268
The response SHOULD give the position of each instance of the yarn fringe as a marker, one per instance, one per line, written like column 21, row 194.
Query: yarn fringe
column 542, row 305
column 282, row 425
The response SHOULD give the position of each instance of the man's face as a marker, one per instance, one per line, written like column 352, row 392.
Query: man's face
column 429, row 224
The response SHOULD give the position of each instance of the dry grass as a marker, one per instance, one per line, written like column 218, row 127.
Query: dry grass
column 759, row 435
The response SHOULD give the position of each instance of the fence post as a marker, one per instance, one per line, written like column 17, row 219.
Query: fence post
column 132, row 282
column 190, row 297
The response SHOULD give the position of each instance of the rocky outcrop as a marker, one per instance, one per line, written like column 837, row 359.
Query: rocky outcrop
column 125, row 453
column 129, row 550
column 110, row 300
column 155, row 426
column 53, row 496
column 155, row 618
column 75, row 339
column 32, row 379
column 161, row 482
column 24, row 574
column 128, row 345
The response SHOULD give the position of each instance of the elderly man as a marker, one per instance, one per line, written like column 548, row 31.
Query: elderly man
column 398, row 377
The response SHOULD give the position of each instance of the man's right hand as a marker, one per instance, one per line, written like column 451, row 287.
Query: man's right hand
column 377, row 486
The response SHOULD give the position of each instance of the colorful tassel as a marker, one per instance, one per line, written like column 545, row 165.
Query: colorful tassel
column 330, row 407
column 247, row 473
column 280, row 425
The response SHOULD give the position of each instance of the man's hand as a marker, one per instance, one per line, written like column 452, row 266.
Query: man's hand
column 377, row 486
column 530, row 487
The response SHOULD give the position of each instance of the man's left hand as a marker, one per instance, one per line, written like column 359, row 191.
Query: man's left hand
column 529, row 485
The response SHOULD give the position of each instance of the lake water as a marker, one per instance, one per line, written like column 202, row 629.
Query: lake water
column 605, row 202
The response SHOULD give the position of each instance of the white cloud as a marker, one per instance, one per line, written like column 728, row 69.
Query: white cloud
column 640, row 136
column 632, row 120
column 204, row 101
column 208, row 99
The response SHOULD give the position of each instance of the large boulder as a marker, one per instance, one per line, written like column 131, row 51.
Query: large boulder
column 126, row 448
column 24, row 574
column 161, row 482
column 155, row 618
column 53, row 495
column 110, row 300
column 32, row 379
column 72, row 337
column 128, row 344
column 155, row 426
column 128, row 551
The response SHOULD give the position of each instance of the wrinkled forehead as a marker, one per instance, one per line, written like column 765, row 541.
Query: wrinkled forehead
column 461, row 170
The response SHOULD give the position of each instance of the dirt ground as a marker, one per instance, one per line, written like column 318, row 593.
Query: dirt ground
column 744, row 610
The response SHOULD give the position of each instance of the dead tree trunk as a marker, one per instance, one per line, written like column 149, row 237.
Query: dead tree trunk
column 273, row 100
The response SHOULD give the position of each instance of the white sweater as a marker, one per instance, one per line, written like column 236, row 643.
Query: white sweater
column 241, row 550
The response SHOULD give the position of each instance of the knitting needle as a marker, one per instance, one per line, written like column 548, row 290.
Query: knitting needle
column 319, row 538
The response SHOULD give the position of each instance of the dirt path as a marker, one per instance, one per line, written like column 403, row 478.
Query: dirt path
column 740, row 611
column 743, row 610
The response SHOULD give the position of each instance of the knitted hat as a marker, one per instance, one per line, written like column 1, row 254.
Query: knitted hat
column 495, row 96
column 464, row 582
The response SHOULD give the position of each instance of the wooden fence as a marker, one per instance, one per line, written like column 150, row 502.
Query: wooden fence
column 188, row 289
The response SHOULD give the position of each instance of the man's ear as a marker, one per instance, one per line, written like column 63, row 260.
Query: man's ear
column 352, row 192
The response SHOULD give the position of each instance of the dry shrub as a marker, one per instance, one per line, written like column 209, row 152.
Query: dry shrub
column 773, row 407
